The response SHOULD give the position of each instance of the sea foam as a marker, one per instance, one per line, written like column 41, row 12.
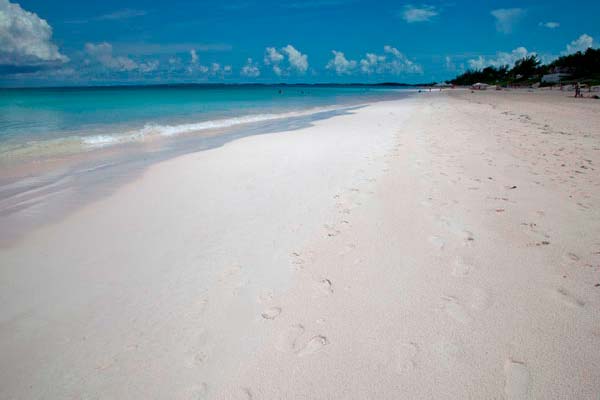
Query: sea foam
column 150, row 131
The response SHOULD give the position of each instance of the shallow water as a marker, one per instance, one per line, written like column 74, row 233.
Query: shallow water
column 48, row 122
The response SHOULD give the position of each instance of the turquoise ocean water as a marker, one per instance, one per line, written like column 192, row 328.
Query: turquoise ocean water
column 38, row 122
column 63, row 147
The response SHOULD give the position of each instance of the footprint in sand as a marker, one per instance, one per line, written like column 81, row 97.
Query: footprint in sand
column 288, row 340
column 456, row 310
column 325, row 286
column 572, row 257
column 406, row 355
column 517, row 376
column 468, row 237
column 271, row 313
column 315, row 344
column 297, row 258
column 568, row 298
column 331, row 230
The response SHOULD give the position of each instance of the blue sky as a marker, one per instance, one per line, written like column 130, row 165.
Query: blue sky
column 125, row 41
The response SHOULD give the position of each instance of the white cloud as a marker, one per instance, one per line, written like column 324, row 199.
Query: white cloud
column 500, row 59
column 194, row 56
column 216, row 69
column 25, row 38
column 295, row 59
column 102, row 53
column 582, row 43
column 298, row 61
column 272, row 56
column 148, row 66
column 391, row 62
column 506, row 18
column 549, row 25
column 250, row 70
column 195, row 66
column 421, row 13
column 340, row 64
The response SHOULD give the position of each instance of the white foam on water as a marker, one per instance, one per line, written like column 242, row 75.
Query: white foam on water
column 157, row 130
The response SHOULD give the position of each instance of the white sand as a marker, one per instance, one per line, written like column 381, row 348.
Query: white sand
column 383, row 254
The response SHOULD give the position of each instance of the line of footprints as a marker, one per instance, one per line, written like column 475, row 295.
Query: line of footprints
column 295, row 339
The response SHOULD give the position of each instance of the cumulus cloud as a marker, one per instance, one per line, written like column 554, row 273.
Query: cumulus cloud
column 196, row 68
column 549, row 25
column 582, row 43
column 295, row 60
column 500, row 59
column 507, row 18
column 250, row 70
column 148, row 66
column 217, row 69
column 340, row 64
column 391, row 62
column 102, row 53
column 26, row 39
column 272, row 56
column 421, row 13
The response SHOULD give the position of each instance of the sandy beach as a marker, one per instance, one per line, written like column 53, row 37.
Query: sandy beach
column 442, row 246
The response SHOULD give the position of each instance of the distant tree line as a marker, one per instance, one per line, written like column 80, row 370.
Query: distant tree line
column 581, row 66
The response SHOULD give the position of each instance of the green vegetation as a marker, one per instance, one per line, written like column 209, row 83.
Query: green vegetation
column 581, row 67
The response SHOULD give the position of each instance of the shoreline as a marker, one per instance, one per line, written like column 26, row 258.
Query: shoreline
column 35, row 194
column 430, row 239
